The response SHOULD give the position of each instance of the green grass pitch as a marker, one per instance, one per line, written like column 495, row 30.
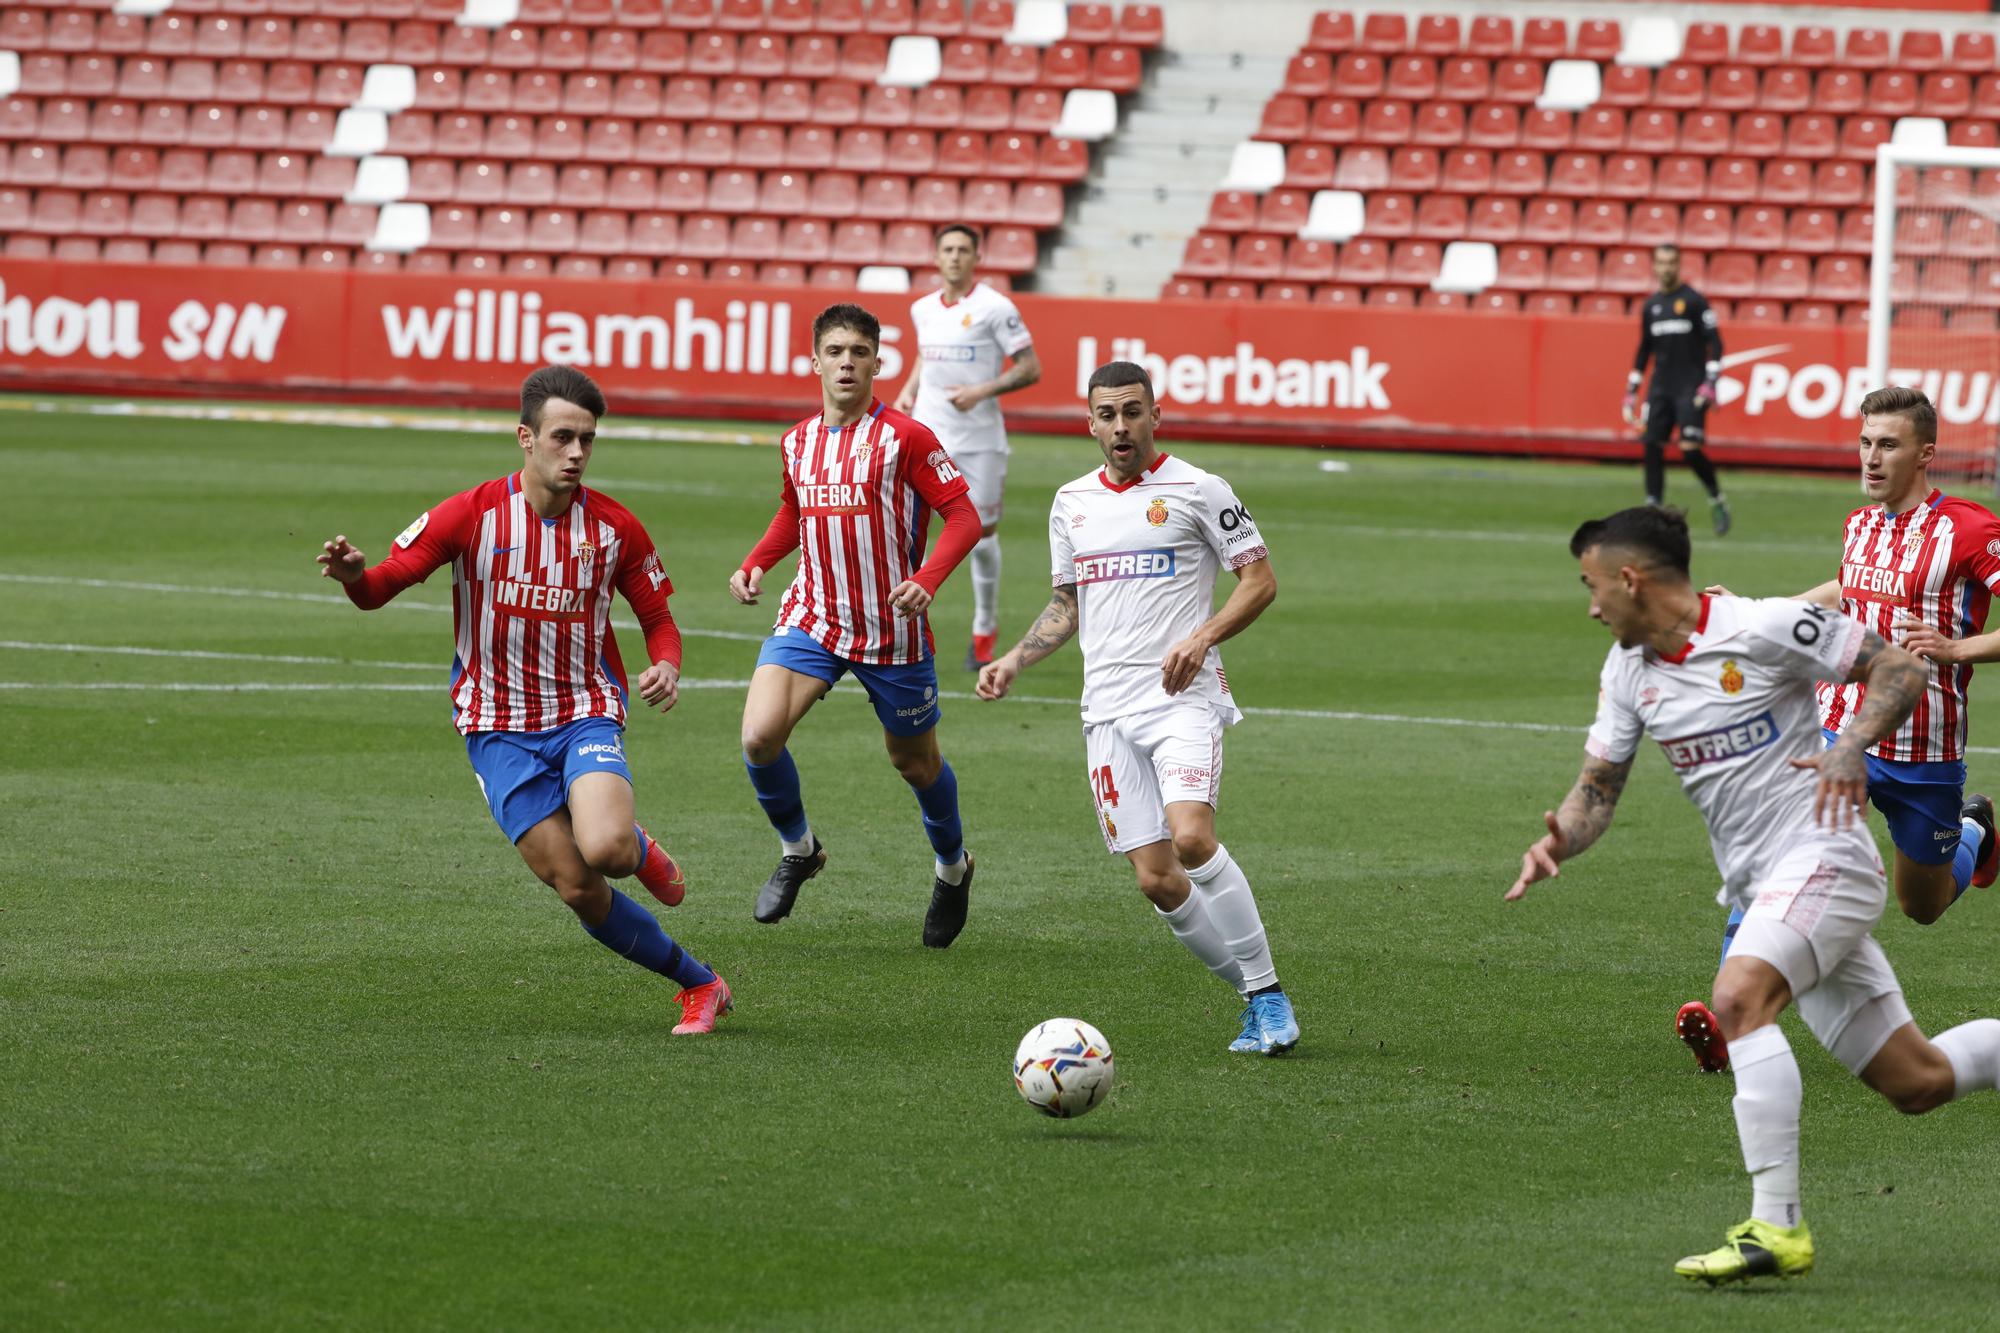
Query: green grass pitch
column 290, row 1038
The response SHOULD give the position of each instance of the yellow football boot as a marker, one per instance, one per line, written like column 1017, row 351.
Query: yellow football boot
column 1753, row 1249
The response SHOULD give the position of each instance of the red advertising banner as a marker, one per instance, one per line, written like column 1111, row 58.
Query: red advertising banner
column 1286, row 373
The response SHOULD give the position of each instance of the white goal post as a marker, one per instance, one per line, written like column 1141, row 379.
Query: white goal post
column 1927, row 324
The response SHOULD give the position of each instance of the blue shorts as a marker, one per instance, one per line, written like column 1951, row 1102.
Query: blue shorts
column 905, row 696
column 1921, row 803
column 526, row 774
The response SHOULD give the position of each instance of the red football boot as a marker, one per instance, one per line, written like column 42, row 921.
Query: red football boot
column 701, row 1006
column 660, row 873
column 1696, row 1026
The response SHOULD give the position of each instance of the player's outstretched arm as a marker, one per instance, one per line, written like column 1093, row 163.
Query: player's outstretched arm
column 1925, row 641
column 1580, row 821
column 341, row 560
column 1052, row 629
column 1256, row 588
column 1895, row 682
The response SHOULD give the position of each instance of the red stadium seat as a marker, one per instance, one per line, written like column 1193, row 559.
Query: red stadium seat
column 1496, row 125
column 1412, row 78
column 1626, row 86
column 1520, row 173
column 1813, row 312
column 1972, row 51
column 1490, row 36
column 1946, row 94
column 1839, row 92
column 1574, row 268
column 1551, row 131
column 1576, row 175
column 1523, row 268
column 1861, row 135
column 1364, row 261
column 1415, row 263
column 1392, row 215
column 1284, row 210
column 1707, row 227
column 1758, row 134
column 1814, row 46
column 1840, row 278
column 1355, row 75
column 1518, row 80
column 1601, row 222
column 1705, row 132
column 1681, row 86
column 1468, row 171
column 1732, row 88
column 1501, row 220
column 1335, row 120
column 1653, row 130
column 1734, row 180
column 1465, row 80
column 1652, row 224
column 1386, row 123
column 1628, row 271
column 1439, row 124
column 1787, row 182
column 1760, row 44
column 1892, row 92
column 1866, row 48
column 1446, row 217
column 1732, row 275
column 1544, row 38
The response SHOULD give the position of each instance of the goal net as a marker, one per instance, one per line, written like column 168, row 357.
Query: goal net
column 1934, row 296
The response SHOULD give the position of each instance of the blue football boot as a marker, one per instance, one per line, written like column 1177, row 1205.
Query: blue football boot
column 1277, row 1026
column 1252, row 1036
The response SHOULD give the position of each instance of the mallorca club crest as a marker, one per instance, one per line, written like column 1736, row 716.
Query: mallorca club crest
column 1156, row 513
column 1680, row 307
column 1110, row 829
column 1732, row 677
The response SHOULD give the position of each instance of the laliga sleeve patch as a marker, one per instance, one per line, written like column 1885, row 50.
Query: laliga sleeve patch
column 414, row 531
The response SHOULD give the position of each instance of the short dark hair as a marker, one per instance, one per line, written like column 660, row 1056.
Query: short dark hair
column 564, row 382
column 1119, row 375
column 1653, row 531
column 1900, row 400
column 846, row 315
column 950, row 227
column 1668, row 246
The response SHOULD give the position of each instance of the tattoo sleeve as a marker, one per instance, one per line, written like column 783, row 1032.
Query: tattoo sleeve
column 1586, row 811
column 1895, row 682
column 1026, row 370
column 1052, row 629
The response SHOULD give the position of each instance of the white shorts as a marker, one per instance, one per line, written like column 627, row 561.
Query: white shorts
column 1142, row 763
column 1811, row 921
column 985, row 473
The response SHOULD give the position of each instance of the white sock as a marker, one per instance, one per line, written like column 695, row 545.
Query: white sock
column 954, row 874
column 1974, row 1051
column 1233, row 908
column 1193, row 927
column 986, row 585
column 1768, row 1094
column 802, row 847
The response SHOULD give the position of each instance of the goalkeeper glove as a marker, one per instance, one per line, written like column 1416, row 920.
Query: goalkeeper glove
column 1631, row 409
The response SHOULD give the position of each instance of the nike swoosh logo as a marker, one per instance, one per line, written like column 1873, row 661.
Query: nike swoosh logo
column 602, row 760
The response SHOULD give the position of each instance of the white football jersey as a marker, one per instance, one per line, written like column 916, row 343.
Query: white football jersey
column 1731, row 712
column 1143, row 556
column 966, row 342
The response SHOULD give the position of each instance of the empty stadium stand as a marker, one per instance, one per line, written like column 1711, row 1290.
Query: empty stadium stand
column 1570, row 147
column 783, row 140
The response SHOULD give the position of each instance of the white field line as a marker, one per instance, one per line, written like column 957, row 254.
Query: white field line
column 328, row 687
column 336, row 599
column 371, row 419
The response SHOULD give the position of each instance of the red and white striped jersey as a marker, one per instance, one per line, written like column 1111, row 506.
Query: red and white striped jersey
column 1938, row 563
column 856, row 504
column 531, row 603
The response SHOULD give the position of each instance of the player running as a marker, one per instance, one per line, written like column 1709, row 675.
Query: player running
column 1917, row 567
column 1677, row 330
column 860, row 482
column 1726, row 686
column 966, row 331
column 537, row 687
column 1135, row 547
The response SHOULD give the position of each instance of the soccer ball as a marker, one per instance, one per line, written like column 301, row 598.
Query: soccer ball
column 1063, row 1067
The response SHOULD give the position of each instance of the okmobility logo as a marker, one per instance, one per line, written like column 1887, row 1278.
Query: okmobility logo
column 1816, row 389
